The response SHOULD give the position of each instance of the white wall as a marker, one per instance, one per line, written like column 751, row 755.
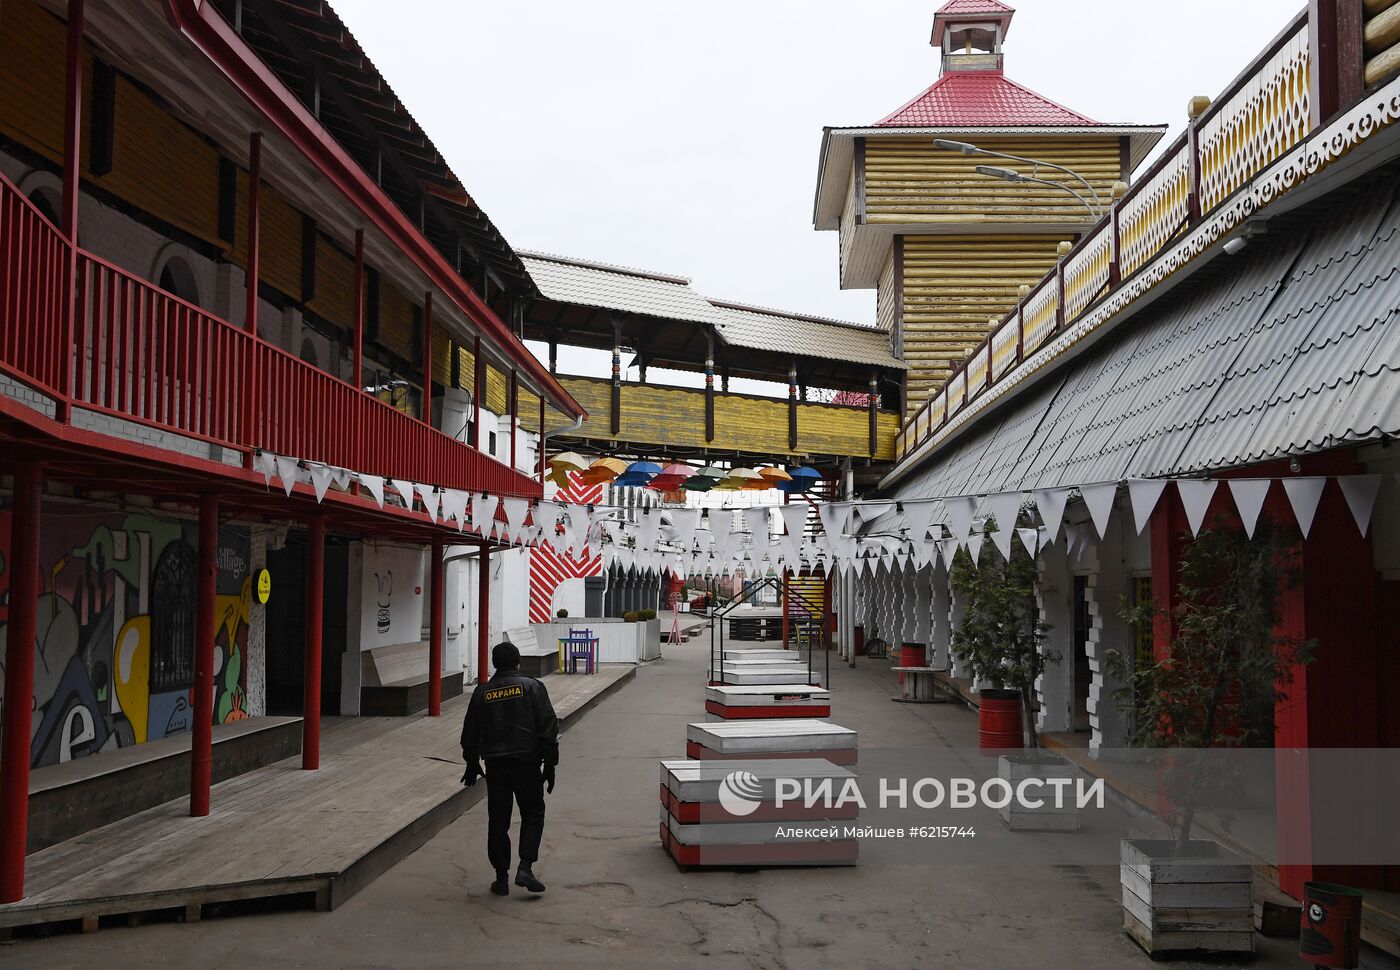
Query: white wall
column 392, row 595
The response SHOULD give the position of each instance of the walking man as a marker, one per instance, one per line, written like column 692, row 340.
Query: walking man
column 511, row 725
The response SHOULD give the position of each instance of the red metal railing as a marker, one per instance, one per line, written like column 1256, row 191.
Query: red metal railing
column 1260, row 115
column 33, row 270
column 143, row 355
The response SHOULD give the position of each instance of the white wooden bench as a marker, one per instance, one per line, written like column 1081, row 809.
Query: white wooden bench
column 536, row 659
column 919, row 686
column 394, row 680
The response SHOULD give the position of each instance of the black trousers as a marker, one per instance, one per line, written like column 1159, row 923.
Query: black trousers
column 507, row 780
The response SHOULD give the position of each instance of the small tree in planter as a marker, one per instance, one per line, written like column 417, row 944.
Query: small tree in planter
column 1002, row 639
column 1215, row 685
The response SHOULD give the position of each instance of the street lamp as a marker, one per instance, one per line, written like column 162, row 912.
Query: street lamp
column 1011, row 175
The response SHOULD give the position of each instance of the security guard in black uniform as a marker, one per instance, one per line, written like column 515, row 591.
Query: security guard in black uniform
column 511, row 724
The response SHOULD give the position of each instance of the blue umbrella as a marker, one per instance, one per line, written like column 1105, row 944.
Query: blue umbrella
column 631, row 478
column 803, row 478
column 647, row 468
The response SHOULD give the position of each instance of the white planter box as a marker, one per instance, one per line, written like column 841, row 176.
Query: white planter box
column 1200, row 901
column 1049, row 817
column 619, row 642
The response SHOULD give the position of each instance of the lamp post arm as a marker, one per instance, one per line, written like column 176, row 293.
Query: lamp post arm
column 1095, row 212
column 1059, row 168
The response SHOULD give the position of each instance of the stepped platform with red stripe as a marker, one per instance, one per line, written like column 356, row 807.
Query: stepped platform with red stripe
column 740, row 701
column 726, row 813
column 765, row 674
column 785, row 738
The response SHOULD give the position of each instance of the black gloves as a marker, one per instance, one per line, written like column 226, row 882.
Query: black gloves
column 472, row 773
column 548, row 773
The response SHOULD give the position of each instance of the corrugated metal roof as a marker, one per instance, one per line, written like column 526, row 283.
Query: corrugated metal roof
column 618, row 288
column 981, row 98
column 1290, row 347
column 761, row 328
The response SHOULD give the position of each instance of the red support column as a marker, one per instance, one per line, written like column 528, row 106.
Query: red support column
column 206, row 575
column 428, row 357
column 311, row 682
column 437, row 586
column 19, row 678
column 359, row 309
column 483, row 614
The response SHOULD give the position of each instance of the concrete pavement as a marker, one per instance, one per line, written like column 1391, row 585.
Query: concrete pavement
column 616, row 900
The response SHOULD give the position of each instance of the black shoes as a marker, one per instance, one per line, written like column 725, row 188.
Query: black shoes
column 501, row 887
column 524, row 877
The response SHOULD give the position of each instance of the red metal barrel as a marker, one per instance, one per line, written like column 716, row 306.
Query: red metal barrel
column 911, row 655
column 1331, row 930
column 999, row 720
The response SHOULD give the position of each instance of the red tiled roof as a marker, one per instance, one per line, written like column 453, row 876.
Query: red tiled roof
column 972, row 7
column 981, row 99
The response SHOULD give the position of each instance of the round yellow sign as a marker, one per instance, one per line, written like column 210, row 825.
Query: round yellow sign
column 264, row 585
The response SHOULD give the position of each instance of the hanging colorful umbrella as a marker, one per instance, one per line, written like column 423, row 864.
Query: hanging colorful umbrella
column 802, row 478
column 671, row 477
column 699, row 483
column 647, row 468
column 603, row 470
column 742, row 473
column 774, row 474
column 569, row 461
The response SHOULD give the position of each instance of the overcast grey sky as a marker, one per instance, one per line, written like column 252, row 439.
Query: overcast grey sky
column 683, row 137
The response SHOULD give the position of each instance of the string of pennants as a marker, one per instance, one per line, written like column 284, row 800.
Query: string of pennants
column 851, row 535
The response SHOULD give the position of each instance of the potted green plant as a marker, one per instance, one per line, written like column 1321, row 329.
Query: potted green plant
column 1214, row 684
column 631, row 616
column 647, row 614
column 1002, row 640
column 562, row 614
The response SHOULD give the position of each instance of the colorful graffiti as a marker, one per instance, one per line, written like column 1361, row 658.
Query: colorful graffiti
column 114, row 660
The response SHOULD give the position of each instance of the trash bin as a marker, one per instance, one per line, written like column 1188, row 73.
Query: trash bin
column 911, row 655
column 1331, row 928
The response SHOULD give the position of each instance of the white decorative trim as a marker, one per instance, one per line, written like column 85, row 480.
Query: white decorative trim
column 1294, row 166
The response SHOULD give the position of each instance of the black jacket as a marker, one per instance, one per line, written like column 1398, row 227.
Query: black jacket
column 510, row 717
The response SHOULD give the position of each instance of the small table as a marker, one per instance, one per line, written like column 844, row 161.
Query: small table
column 919, row 686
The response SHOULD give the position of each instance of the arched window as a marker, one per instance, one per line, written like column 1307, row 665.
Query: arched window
column 46, row 201
column 308, row 352
column 177, row 277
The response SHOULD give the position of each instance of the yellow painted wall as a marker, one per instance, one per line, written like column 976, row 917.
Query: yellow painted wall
column 675, row 416
column 952, row 285
column 908, row 181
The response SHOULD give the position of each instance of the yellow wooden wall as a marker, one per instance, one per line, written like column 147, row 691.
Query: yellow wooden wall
column 653, row 414
column 908, row 181
column 952, row 286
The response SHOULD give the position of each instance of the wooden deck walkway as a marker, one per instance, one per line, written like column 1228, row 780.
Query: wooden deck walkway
column 385, row 786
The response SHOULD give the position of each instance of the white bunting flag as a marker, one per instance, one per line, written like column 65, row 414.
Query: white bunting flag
column 974, row 547
column 341, row 477
column 1050, row 502
column 375, row 485
column 1360, row 493
column 267, row 464
column 948, row 548
column 1303, row 496
column 431, row 497
column 917, row 516
column 1030, row 539
column 516, row 511
column 484, row 513
column 794, row 522
column 454, row 506
column 289, row 470
column 1099, row 498
column 1004, row 507
column 833, row 516
column 960, row 511
column 1249, row 495
column 1195, row 499
column 321, row 478
column 870, row 511
column 405, row 490
column 757, row 521
column 1143, row 493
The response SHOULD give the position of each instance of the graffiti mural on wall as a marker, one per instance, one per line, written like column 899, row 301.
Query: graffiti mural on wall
column 114, row 651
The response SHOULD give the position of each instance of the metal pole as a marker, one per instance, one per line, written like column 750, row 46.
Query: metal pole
column 437, row 580
column 483, row 612
column 359, row 309
column 19, row 677
column 206, row 577
column 311, row 682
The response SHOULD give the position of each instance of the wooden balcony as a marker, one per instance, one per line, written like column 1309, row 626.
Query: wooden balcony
column 665, row 420
column 113, row 344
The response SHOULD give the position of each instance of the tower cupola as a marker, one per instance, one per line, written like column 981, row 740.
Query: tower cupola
column 969, row 33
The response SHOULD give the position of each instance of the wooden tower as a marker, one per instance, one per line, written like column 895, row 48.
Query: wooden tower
column 947, row 247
